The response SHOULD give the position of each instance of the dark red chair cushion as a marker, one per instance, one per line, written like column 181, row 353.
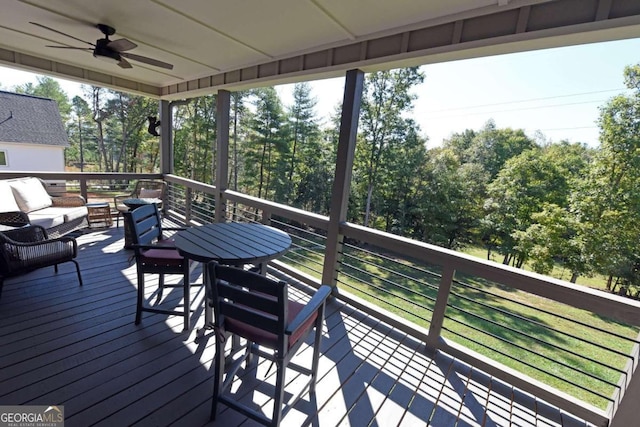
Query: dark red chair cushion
column 265, row 338
column 168, row 257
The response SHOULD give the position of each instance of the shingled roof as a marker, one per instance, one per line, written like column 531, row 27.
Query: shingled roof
column 30, row 119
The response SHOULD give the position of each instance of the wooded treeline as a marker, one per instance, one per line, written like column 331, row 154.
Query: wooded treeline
column 529, row 200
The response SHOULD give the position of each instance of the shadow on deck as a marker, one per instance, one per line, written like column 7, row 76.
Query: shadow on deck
column 62, row 344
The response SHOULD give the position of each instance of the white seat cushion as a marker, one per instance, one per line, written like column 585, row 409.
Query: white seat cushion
column 75, row 213
column 46, row 220
column 56, row 216
column 7, row 201
column 30, row 194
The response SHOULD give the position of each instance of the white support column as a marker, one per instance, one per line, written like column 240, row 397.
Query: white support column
column 354, row 82
column 222, row 153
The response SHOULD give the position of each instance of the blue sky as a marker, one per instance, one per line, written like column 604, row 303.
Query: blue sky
column 557, row 91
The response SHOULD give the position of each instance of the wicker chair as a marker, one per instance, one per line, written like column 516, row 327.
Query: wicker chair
column 144, row 189
column 13, row 219
column 28, row 248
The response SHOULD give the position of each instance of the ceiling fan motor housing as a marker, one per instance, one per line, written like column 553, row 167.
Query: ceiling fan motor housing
column 102, row 50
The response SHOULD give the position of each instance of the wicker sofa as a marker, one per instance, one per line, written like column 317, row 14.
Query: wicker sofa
column 58, row 215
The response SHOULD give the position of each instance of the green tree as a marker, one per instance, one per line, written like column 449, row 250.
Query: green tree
column 266, row 150
column 387, row 98
column 553, row 237
column 305, row 140
column 447, row 203
column 398, row 178
column 47, row 87
column 492, row 147
column 195, row 135
column 128, row 131
column 524, row 185
column 239, row 118
column 316, row 181
column 608, row 201
column 99, row 113
column 460, row 144
column 81, row 133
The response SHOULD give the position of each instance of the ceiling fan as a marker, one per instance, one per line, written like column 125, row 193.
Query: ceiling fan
column 113, row 50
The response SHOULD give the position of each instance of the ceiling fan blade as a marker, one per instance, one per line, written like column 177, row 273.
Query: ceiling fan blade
column 146, row 60
column 121, row 45
column 124, row 63
column 60, row 32
column 70, row 47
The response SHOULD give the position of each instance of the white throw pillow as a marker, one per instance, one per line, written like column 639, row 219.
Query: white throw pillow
column 30, row 194
column 7, row 201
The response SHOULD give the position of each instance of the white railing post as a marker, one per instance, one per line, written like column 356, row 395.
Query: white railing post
column 354, row 82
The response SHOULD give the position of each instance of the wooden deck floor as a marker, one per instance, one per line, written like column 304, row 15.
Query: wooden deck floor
column 61, row 344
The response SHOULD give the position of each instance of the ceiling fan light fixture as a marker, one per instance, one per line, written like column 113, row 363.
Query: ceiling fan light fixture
column 113, row 59
column 103, row 53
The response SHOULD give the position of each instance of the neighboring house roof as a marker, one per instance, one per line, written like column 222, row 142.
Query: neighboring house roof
column 30, row 119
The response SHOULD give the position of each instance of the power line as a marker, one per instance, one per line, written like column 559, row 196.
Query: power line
column 521, row 109
column 569, row 128
column 527, row 100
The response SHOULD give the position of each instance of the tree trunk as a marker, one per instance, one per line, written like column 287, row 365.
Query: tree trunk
column 101, row 147
column 367, row 211
column 264, row 155
column 123, row 147
column 80, row 141
column 292, row 163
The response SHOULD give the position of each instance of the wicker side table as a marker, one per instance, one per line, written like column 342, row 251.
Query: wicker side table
column 99, row 214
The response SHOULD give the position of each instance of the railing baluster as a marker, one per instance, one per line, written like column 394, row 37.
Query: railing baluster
column 266, row 217
column 83, row 188
column 437, row 319
column 187, row 205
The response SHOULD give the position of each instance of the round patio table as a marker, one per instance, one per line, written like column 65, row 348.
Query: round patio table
column 231, row 243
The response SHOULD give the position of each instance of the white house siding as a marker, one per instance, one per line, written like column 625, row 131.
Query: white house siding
column 31, row 157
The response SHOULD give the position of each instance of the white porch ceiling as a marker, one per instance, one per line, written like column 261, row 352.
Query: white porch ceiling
column 246, row 43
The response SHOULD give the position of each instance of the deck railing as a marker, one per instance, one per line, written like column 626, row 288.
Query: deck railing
column 483, row 313
column 569, row 345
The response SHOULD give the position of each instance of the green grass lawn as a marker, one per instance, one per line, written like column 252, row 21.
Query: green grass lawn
column 490, row 319
column 598, row 281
